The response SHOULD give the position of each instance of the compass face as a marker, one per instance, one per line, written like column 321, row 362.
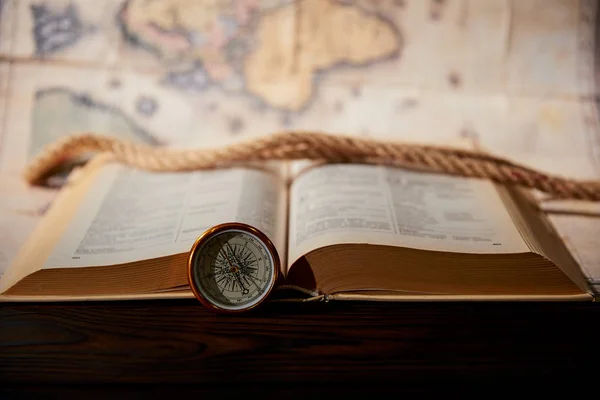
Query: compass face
column 232, row 269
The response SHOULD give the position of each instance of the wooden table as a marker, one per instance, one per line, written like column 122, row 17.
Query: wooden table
column 302, row 348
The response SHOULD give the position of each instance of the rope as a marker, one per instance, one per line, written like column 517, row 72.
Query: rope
column 314, row 146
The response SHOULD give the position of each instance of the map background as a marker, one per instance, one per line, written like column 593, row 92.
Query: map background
column 515, row 75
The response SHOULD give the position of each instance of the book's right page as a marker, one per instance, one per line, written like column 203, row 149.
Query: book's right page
column 580, row 235
column 383, row 233
column 339, row 204
column 578, row 224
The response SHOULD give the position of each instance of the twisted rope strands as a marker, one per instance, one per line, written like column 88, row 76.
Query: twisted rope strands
column 314, row 146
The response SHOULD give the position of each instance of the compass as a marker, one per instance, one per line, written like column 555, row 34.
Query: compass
column 232, row 267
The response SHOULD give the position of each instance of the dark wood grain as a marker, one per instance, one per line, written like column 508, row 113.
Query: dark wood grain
column 326, row 343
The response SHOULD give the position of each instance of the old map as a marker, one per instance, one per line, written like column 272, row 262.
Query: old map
column 515, row 77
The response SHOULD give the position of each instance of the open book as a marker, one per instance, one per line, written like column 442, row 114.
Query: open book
column 344, row 231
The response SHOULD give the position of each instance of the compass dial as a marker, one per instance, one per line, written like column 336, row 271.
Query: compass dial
column 232, row 267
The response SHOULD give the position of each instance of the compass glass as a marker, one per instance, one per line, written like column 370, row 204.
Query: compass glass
column 232, row 269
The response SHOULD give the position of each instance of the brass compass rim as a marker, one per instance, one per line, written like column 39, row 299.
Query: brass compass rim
column 209, row 234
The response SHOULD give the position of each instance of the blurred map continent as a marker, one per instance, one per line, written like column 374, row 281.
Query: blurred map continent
column 258, row 46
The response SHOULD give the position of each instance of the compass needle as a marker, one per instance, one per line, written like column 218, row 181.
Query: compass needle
column 232, row 267
column 254, row 281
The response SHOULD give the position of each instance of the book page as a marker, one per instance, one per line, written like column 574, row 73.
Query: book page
column 580, row 235
column 21, row 208
column 336, row 204
column 15, row 228
column 130, row 215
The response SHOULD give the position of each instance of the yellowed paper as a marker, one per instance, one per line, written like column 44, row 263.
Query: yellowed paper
column 580, row 235
column 336, row 204
column 21, row 208
column 131, row 215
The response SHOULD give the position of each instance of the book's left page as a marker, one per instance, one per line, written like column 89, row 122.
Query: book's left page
column 111, row 215
column 21, row 208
